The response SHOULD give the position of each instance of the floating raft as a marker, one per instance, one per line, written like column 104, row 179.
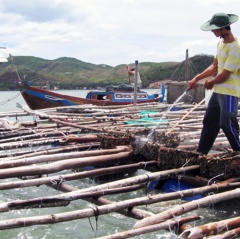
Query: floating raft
column 110, row 144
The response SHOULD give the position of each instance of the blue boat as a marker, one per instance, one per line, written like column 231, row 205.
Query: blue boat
column 37, row 98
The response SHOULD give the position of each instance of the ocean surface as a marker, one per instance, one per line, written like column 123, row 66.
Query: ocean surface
column 83, row 228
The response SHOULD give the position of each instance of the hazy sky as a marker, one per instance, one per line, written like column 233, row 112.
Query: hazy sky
column 111, row 32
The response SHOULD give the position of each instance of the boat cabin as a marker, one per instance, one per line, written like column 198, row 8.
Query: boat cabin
column 118, row 96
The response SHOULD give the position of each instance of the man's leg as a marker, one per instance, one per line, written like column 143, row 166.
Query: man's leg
column 211, row 125
column 228, row 120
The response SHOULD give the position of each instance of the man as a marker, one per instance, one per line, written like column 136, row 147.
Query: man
column 225, row 71
column 131, row 74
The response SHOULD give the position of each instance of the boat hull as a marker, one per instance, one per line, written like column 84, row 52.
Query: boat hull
column 37, row 98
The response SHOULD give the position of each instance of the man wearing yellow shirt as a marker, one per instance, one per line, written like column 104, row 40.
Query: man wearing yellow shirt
column 222, row 108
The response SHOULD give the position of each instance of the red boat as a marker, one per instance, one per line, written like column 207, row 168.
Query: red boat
column 37, row 98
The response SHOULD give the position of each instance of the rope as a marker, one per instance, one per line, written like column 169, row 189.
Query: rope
column 6, row 101
column 19, row 78
column 191, row 68
column 175, row 71
column 57, row 182
column 96, row 214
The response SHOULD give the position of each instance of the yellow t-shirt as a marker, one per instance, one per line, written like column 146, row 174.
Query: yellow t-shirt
column 228, row 57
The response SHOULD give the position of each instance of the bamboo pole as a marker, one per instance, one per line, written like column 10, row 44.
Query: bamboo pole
column 229, row 234
column 62, row 165
column 131, row 212
column 122, row 183
column 67, row 216
column 209, row 229
column 74, row 176
column 193, row 205
column 114, row 110
column 91, row 129
column 54, row 218
column 53, row 202
column 24, row 144
column 167, row 225
column 79, row 194
column 40, row 151
column 52, row 158
column 28, row 135
column 220, row 146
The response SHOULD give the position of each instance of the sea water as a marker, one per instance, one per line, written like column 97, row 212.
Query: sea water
column 83, row 228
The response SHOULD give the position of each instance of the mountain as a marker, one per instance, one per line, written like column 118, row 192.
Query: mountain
column 71, row 73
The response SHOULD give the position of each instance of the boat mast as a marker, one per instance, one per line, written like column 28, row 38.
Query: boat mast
column 187, row 67
column 135, row 84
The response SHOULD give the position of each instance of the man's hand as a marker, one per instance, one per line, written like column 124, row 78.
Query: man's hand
column 209, row 84
column 192, row 83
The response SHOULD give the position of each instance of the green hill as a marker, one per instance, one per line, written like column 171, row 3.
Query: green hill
column 71, row 73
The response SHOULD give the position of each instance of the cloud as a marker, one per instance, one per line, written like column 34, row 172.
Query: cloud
column 110, row 32
column 37, row 10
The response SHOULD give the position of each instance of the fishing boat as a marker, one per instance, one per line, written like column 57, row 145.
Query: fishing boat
column 38, row 98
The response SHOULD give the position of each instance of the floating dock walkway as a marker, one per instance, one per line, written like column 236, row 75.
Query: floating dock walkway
column 60, row 145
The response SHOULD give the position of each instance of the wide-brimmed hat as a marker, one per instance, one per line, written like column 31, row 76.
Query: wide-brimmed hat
column 218, row 21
